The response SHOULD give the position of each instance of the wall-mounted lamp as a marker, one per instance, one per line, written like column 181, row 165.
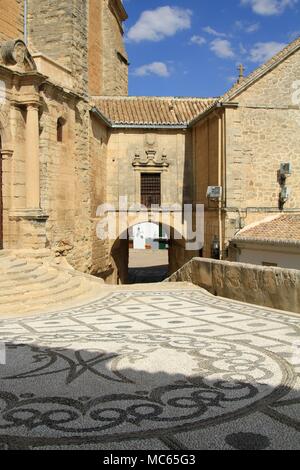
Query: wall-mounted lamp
column 285, row 194
column 215, row 248
column 284, row 172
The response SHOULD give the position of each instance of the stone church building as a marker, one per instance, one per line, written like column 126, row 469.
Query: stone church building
column 72, row 139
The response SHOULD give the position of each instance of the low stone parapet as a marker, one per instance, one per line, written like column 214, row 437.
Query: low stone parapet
column 267, row 286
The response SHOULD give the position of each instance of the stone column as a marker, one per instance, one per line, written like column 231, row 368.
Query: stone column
column 32, row 157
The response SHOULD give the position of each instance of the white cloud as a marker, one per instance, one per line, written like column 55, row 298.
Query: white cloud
column 199, row 40
column 247, row 27
column 269, row 7
column 155, row 25
column 156, row 68
column 242, row 49
column 222, row 48
column 213, row 32
column 263, row 51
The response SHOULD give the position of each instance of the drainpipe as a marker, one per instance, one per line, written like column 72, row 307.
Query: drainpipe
column 220, row 180
column 25, row 21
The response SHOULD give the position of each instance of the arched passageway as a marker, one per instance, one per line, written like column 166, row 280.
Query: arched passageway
column 147, row 252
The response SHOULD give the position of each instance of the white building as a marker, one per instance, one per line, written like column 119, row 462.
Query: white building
column 148, row 235
column 275, row 241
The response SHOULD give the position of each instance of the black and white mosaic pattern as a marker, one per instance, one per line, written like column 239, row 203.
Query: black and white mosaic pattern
column 152, row 370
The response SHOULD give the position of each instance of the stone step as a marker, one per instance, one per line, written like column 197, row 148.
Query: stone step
column 29, row 285
column 54, row 281
column 24, row 281
column 81, row 294
column 64, row 295
column 20, row 277
column 43, row 293
column 10, row 263
column 22, row 267
column 4, row 253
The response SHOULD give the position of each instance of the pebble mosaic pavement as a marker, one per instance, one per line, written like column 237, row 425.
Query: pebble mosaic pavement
column 154, row 370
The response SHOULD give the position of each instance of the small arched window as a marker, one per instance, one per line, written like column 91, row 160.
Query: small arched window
column 60, row 129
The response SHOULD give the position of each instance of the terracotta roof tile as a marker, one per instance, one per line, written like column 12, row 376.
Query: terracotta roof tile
column 123, row 110
column 283, row 228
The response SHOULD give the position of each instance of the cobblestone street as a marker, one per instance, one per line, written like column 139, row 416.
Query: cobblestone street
column 148, row 266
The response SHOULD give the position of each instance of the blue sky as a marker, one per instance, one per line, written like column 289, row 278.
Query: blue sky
column 193, row 47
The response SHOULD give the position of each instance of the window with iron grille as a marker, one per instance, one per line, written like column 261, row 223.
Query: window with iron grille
column 150, row 189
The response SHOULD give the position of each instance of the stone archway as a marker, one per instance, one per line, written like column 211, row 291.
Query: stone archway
column 177, row 254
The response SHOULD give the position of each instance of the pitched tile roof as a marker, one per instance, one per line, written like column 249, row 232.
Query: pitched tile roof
column 282, row 229
column 171, row 111
column 168, row 111
column 262, row 70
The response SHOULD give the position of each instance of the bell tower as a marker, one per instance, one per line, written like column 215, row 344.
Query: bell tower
column 11, row 20
column 59, row 29
column 108, row 61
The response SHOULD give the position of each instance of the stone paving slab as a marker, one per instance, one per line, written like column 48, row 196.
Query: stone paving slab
column 152, row 368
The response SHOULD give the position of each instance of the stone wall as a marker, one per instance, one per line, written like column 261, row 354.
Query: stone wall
column 256, row 136
column 262, row 133
column 59, row 29
column 19, row 230
column 98, row 138
column 86, row 37
column 11, row 19
column 206, row 142
column 270, row 287
column 58, row 170
column 124, row 178
column 115, row 65
column 96, row 47
column 73, row 180
column 13, row 167
column 73, row 171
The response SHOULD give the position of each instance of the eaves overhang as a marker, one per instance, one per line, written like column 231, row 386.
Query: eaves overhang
column 215, row 107
column 113, row 125
column 266, row 241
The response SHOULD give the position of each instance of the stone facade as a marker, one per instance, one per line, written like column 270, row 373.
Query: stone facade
column 259, row 130
column 67, row 32
column 126, row 145
column 53, row 150
column 207, row 143
column 127, row 160
column 67, row 146
column 96, row 46
column 76, row 34
column 108, row 66
column 115, row 60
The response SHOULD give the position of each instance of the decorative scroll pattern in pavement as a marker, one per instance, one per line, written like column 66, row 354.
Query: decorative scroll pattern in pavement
column 152, row 370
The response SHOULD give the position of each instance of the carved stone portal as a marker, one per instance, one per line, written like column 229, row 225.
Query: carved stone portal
column 151, row 160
